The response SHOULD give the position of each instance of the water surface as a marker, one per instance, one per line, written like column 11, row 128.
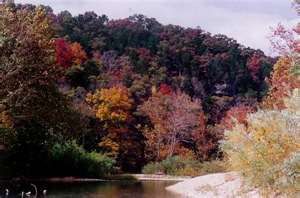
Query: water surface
column 146, row 189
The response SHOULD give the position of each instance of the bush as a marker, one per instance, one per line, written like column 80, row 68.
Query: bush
column 183, row 167
column 152, row 168
column 69, row 159
column 27, row 149
column 266, row 151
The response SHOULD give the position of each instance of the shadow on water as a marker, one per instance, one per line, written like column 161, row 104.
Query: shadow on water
column 115, row 189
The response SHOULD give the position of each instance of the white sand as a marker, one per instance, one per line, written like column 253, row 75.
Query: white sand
column 153, row 177
column 220, row 185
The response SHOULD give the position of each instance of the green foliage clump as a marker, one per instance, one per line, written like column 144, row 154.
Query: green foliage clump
column 70, row 159
column 183, row 167
column 266, row 150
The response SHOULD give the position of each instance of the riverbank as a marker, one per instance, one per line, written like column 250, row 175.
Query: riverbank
column 121, row 177
column 154, row 177
column 220, row 185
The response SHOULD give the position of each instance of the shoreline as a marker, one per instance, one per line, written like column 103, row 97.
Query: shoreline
column 121, row 177
column 55, row 180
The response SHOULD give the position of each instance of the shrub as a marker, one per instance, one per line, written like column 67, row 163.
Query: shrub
column 291, row 170
column 69, row 159
column 215, row 166
column 183, row 167
column 266, row 151
column 152, row 168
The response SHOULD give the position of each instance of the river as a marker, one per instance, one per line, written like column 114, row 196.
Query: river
column 145, row 189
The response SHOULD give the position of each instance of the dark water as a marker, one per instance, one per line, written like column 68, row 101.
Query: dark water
column 145, row 189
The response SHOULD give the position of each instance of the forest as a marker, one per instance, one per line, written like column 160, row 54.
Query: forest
column 86, row 95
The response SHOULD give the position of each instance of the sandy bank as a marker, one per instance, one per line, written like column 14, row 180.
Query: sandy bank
column 220, row 185
column 149, row 177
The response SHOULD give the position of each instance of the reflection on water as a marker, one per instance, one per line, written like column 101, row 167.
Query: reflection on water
column 149, row 189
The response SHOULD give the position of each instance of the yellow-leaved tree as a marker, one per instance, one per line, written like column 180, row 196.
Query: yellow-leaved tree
column 120, row 139
column 112, row 107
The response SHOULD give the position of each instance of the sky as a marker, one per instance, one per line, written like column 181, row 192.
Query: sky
column 247, row 21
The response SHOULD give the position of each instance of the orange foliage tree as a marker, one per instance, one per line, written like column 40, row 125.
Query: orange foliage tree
column 282, row 81
column 78, row 54
column 112, row 107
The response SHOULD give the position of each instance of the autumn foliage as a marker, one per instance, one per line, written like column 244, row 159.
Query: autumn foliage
column 112, row 105
column 134, row 89
column 266, row 150
column 176, row 121
column 254, row 64
column 165, row 89
column 68, row 54
column 63, row 53
column 265, row 146
column 283, row 40
column 236, row 115
column 282, row 81
column 34, row 114
column 285, row 75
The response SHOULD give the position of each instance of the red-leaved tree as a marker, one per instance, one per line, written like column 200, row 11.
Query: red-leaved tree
column 63, row 53
column 69, row 54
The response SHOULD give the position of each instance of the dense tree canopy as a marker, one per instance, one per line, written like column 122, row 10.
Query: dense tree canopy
column 131, row 88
